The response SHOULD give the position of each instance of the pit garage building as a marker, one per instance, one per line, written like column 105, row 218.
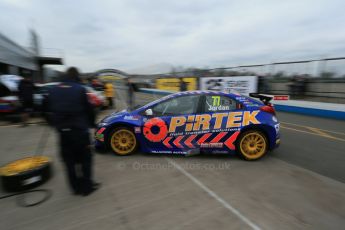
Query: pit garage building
column 17, row 60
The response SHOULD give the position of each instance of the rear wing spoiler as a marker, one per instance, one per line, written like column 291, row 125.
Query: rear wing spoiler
column 263, row 97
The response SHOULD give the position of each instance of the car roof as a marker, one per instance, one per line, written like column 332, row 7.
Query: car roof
column 205, row 92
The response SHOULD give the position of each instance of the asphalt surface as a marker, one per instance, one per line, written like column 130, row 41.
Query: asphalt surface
column 316, row 144
column 300, row 185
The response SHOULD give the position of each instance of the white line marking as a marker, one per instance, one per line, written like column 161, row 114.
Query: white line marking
column 305, row 126
column 214, row 195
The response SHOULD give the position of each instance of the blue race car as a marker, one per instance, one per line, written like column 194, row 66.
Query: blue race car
column 193, row 122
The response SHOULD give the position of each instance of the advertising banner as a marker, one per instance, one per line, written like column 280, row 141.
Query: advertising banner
column 241, row 84
column 174, row 84
column 281, row 97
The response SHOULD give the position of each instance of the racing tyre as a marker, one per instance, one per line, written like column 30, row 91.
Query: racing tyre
column 122, row 141
column 252, row 145
column 26, row 173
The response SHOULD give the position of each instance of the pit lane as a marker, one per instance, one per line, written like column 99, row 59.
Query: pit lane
column 299, row 185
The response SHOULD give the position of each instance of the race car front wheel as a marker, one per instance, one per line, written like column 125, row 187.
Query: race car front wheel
column 123, row 141
column 252, row 145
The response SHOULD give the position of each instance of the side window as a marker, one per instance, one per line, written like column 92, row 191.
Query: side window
column 177, row 106
column 215, row 103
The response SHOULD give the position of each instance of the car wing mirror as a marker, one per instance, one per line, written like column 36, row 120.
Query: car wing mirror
column 149, row 112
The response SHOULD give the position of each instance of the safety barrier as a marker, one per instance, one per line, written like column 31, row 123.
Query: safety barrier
column 320, row 109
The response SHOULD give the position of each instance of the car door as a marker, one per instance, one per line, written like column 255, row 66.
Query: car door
column 224, row 125
column 165, row 131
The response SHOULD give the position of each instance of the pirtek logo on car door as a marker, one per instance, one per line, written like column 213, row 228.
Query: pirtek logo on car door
column 202, row 122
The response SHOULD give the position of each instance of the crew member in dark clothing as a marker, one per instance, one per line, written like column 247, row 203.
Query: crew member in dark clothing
column 72, row 115
column 25, row 94
column 132, row 88
column 183, row 85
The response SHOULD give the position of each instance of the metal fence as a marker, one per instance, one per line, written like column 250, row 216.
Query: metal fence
column 322, row 79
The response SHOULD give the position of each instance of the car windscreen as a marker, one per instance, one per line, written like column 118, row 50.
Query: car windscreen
column 150, row 103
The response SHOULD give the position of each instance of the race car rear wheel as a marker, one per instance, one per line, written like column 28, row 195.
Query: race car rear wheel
column 123, row 141
column 252, row 145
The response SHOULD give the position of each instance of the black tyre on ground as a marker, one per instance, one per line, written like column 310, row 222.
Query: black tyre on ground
column 26, row 173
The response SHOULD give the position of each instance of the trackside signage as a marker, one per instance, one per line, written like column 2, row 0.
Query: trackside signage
column 281, row 97
column 241, row 84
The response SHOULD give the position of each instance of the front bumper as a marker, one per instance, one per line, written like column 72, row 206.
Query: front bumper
column 99, row 146
column 99, row 138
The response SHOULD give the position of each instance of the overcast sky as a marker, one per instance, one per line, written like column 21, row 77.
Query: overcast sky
column 130, row 34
